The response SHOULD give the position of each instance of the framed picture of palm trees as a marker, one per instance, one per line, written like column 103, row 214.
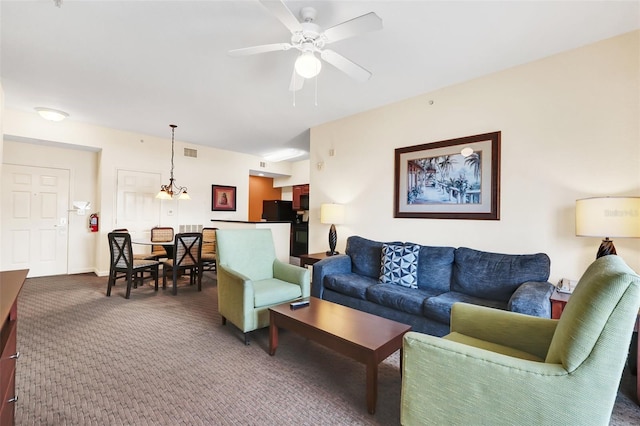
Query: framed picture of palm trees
column 451, row 179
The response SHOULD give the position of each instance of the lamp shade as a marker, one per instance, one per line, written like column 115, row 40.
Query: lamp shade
column 608, row 217
column 332, row 214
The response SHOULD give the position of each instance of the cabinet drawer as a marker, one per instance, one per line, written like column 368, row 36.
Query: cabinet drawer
column 7, row 364
column 7, row 409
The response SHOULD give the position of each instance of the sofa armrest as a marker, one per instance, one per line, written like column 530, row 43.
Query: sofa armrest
column 532, row 298
column 523, row 332
column 338, row 264
column 292, row 274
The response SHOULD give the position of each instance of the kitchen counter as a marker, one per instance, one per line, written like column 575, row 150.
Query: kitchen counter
column 280, row 230
column 250, row 221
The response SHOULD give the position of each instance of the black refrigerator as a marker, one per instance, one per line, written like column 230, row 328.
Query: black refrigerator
column 279, row 210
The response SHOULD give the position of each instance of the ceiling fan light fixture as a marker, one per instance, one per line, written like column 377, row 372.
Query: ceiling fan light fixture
column 307, row 65
column 51, row 114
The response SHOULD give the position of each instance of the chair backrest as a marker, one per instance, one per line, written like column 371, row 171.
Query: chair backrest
column 598, row 320
column 248, row 251
column 120, row 230
column 209, row 240
column 120, row 248
column 187, row 249
column 161, row 234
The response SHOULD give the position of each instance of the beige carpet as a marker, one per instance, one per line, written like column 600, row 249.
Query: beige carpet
column 159, row 359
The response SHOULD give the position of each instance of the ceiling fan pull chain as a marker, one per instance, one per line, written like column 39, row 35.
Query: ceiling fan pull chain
column 316, row 100
column 294, row 92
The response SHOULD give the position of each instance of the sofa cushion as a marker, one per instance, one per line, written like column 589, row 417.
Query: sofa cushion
column 365, row 256
column 434, row 268
column 400, row 298
column 496, row 276
column 353, row 285
column 399, row 264
column 439, row 307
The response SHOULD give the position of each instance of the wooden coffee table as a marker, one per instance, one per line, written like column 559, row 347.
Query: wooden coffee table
column 364, row 337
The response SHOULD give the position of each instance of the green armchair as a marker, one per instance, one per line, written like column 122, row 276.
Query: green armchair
column 503, row 368
column 251, row 279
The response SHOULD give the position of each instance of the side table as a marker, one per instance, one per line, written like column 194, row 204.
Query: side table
column 559, row 301
column 310, row 259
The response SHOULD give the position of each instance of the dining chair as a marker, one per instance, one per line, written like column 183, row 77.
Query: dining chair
column 161, row 234
column 122, row 261
column 137, row 256
column 186, row 257
column 208, row 256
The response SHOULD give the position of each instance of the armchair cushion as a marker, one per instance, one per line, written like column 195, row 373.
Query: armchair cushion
column 273, row 291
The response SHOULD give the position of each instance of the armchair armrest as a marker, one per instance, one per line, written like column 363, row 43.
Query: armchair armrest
column 442, row 379
column 235, row 296
column 532, row 298
column 338, row 264
column 292, row 274
column 523, row 332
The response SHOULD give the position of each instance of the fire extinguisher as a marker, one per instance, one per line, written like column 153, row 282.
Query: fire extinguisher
column 93, row 222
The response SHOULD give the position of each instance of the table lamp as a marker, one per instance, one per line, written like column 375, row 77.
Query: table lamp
column 606, row 217
column 332, row 214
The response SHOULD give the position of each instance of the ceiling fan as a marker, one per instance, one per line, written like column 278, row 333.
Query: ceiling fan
column 309, row 39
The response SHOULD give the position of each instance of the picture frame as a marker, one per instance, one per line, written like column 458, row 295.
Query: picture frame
column 223, row 198
column 437, row 181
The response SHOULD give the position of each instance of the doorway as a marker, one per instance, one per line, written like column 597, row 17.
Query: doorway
column 35, row 202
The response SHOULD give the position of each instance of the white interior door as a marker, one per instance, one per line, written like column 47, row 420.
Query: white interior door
column 35, row 203
column 137, row 207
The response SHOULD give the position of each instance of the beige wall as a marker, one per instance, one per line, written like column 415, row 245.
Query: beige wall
column 132, row 151
column 570, row 129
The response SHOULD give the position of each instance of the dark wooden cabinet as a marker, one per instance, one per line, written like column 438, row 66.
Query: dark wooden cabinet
column 299, row 190
column 10, row 285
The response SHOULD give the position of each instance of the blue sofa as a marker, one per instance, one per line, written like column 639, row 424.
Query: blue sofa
column 445, row 275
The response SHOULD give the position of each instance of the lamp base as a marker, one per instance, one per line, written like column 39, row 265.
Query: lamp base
column 606, row 248
column 333, row 239
column 331, row 253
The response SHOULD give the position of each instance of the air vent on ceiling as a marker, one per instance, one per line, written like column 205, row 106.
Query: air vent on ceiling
column 263, row 164
column 188, row 152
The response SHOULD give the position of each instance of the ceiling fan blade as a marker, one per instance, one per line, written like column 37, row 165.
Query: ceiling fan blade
column 352, row 69
column 284, row 14
column 353, row 27
column 260, row 49
column 296, row 81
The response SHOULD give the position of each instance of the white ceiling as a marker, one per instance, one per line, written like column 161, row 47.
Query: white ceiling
column 141, row 65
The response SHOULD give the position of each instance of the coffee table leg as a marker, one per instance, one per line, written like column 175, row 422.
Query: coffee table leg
column 273, row 335
column 372, row 386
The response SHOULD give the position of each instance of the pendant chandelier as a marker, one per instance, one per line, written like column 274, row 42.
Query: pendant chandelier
column 167, row 192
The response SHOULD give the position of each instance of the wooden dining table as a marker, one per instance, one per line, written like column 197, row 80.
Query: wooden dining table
column 168, row 245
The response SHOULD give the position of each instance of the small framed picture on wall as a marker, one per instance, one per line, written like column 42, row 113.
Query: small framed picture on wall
column 223, row 198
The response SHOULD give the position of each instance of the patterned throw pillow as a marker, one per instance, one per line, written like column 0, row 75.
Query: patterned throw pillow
column 399, row 264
